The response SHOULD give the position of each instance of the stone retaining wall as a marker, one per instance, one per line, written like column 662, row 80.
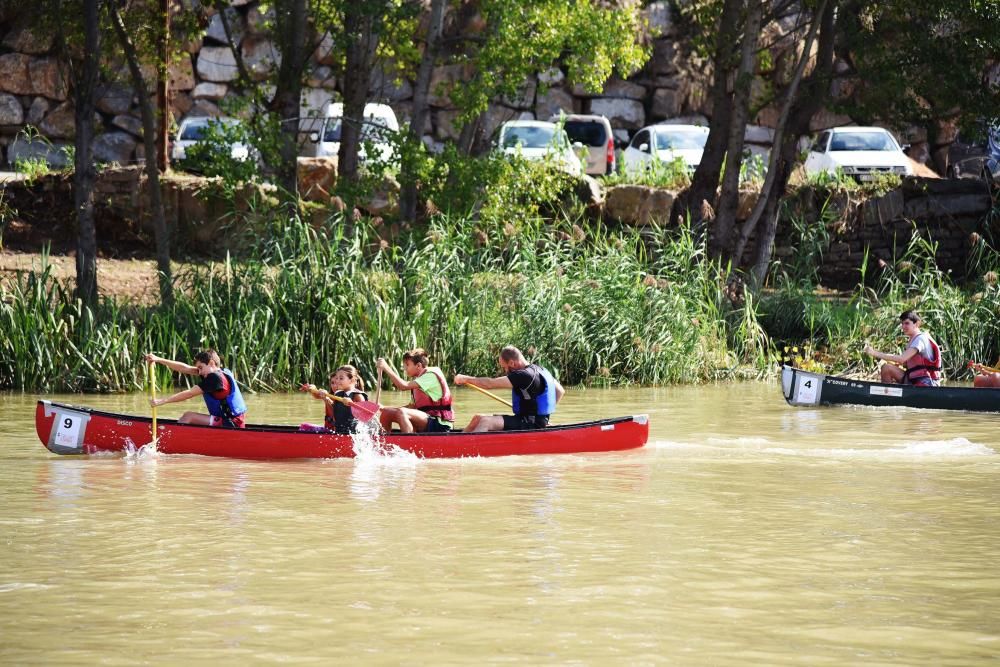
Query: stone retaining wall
column 947, row 212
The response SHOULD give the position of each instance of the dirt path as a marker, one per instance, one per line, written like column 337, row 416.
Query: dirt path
column 133, row 279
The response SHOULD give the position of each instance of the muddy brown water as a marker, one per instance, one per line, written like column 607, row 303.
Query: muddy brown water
column 745, row 532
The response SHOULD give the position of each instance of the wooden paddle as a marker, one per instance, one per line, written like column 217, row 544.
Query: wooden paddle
column 378, row 386
column 151, row 372
column 491, row 395
column 982, row 367
column 362, row 410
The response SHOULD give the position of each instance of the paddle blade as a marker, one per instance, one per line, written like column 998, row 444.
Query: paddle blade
column 364, row 410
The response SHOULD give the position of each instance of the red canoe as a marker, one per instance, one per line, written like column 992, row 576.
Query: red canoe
column 67, row 429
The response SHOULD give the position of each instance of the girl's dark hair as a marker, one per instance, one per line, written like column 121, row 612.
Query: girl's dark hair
column 417, row 355
column 352, row 373
column 209, row 355
column 910, row 315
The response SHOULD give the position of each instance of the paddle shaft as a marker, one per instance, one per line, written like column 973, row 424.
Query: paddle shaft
column 152, row 395
column 354, row 405
column 378, row 386
column 491, row 395
column 984, row 367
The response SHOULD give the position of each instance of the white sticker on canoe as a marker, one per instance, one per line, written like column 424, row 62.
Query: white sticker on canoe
column 607, row 427
column 67, row 430
column 886, row 391
column 805, row 390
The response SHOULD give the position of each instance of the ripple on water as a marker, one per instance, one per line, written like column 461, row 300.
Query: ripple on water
column 930, row 449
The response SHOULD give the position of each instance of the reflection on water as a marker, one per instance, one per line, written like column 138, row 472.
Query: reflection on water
column 746, row 532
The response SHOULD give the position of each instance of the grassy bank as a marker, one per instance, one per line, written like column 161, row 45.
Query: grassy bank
column 597, row 306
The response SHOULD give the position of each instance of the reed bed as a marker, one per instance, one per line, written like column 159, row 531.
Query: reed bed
column 597, row 306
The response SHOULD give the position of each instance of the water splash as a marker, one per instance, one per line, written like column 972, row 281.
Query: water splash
column 146, row 452
column 369, row 445
column 379, row 465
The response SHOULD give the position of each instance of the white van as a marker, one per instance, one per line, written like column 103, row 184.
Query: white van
column 379, row 120
column 594, row 133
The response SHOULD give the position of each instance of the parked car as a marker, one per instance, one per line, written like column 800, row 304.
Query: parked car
column 193, row 130
column 379, row 122
column 665, row 143
column 538, row 140
column 862, row 153
column 593, row 132
column 976, row 156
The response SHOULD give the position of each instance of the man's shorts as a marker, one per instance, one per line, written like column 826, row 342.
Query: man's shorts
column 524, row 422
column 434, row 426
column 237, row 422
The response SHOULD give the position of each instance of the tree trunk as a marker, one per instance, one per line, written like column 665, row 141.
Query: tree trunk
column 84, row 173
column 796, row 114
column 940, row 145
column 362, row 27
column 705, row 181
column 421, row 107
column 721, row 240
column 292, row 25
column 163, row 88
column 152, row 158
column 771, row 209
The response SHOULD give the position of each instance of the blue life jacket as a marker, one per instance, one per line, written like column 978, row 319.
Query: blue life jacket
column 545, row 401
column 232, row 404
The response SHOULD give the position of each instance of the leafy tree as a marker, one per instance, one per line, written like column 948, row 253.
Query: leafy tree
column 142, row 33
column 77, row 27
column 291, row 30
column 213, row 154
column 922, row 63
column 421, row 110
column 520, row 38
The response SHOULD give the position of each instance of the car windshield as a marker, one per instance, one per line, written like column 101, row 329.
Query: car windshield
column 667, row 140
column 862, row 141
column 196, row 131
column 587, row 132
column 529, row 136
column 375, row 129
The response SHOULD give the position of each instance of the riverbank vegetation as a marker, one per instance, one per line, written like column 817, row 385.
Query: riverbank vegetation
column 601, row 306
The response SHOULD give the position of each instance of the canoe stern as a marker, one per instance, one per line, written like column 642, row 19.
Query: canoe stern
column 801, row 388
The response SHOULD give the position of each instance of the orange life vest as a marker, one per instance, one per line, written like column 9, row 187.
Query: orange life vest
column 918, row 366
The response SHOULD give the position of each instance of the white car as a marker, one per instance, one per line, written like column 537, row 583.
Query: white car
column 537, row 140
column 379, row 121
column 863, row 153
column 192, row 130
column 665, row 143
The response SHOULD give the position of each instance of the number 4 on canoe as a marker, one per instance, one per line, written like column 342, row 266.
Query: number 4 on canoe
column 363, row 411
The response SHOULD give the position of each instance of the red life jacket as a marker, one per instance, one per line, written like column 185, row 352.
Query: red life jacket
column 440, row 408
column 918, row 366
